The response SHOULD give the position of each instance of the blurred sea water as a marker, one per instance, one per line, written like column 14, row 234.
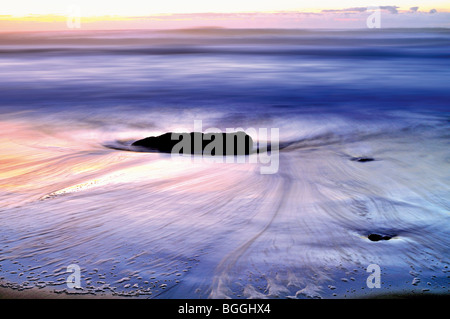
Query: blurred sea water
column 148, row 225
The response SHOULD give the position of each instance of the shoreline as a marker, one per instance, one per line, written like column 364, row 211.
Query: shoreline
column 47, row 293
column 39, row 293
column 43, row 293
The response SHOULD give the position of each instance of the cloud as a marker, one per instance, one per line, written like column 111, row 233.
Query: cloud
column 391, row 9
column 414, row 9
column 355, row 9
column 433, row 11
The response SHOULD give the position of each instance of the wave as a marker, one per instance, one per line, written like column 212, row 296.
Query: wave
column 427, row 43
column 330, row 52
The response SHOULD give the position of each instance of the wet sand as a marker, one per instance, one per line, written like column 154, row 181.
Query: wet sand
column 149, row 226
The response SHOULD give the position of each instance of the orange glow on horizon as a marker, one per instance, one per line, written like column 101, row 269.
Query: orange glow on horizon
column 53, row 15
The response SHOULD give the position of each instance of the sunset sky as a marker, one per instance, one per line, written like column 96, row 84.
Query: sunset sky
column 53, row 14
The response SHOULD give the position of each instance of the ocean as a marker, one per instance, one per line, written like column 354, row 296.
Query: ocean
column 362, row 120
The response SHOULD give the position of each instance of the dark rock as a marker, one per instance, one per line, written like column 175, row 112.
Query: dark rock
column 362, row 159
column 377, row 237
column 218, row 144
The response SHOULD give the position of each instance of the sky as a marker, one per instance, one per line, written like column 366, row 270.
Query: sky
column 20, row 15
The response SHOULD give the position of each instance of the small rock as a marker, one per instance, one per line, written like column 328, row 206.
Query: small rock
column 362, row 159
column 237, row 143
column 377, row 237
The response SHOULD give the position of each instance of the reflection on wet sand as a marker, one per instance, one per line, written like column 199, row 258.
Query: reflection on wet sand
column 146, row 224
